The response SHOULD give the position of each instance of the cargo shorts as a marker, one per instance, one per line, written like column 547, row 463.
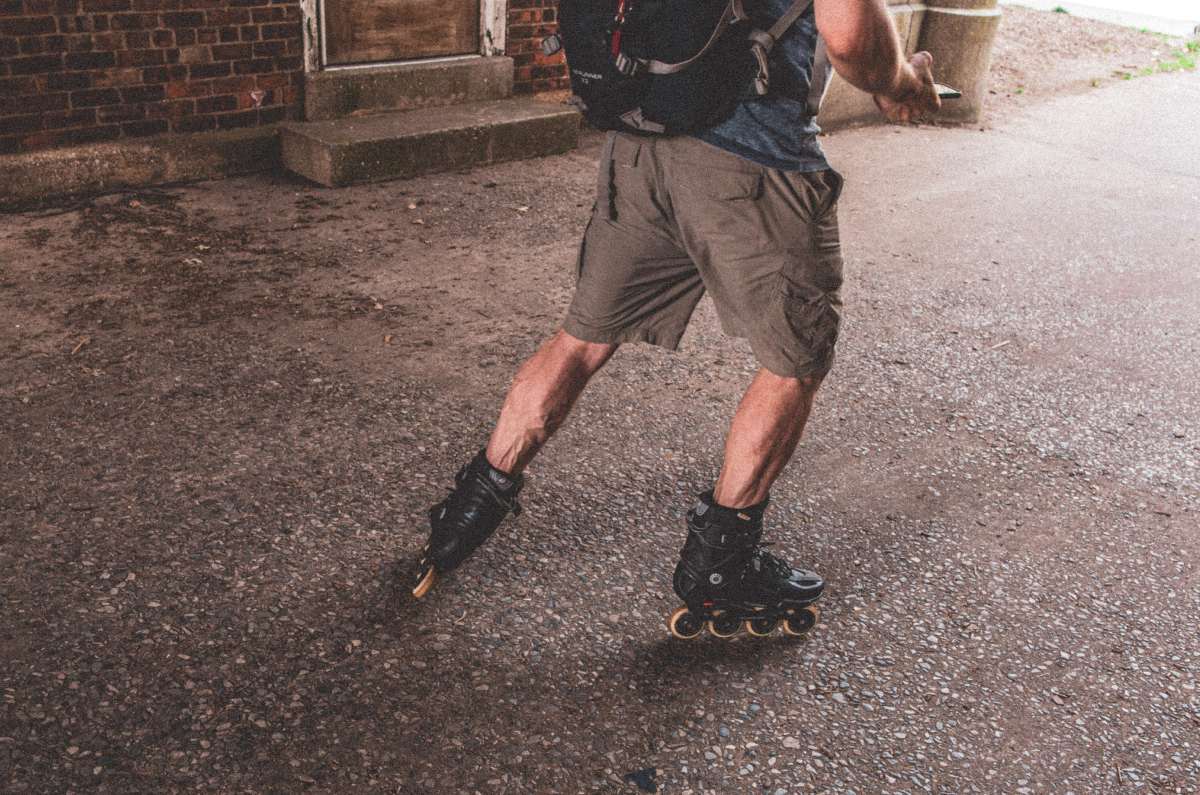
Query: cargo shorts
column 676, row 217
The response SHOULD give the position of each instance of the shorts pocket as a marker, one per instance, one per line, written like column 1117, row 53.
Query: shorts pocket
column 813, row 318
column 618, row 165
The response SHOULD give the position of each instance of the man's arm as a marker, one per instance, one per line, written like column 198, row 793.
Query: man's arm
column 864, row 48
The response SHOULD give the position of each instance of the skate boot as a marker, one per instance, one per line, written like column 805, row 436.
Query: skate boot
column 480, row 500
column 727, row 580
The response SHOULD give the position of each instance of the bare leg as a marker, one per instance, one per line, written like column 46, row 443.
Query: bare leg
column 765, row 431
column 541, row 396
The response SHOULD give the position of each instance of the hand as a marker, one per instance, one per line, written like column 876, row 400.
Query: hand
column 914, row 96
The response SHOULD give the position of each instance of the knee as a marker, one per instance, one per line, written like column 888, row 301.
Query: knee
column 580, row 354
column 804, row 384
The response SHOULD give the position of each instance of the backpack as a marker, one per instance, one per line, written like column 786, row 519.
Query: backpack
column 669, row 66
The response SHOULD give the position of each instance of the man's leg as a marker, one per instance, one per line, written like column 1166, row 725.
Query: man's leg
column 541, row 396
column 764, row 434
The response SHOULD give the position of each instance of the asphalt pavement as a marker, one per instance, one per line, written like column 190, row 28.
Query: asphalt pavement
column 226, row 408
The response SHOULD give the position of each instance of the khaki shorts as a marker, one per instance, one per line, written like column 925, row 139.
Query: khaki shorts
column 675, row 217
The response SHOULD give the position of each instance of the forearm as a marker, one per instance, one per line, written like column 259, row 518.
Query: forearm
column 863, row 44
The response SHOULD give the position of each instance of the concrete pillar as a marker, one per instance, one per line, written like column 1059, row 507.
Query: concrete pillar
column 959, row 34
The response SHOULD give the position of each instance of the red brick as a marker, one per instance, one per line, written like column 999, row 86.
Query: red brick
column 68, row 80
column 27, row 26
column 233, row 85
column 250, row 33
column 39, row 64
column 137, row 40
column 70, row 118
column 254, row 67
column 119, row 113
column 281, row 30
column 164, row 74
column 164, row 38
column 134, row 21
column 272, row 81
column 186, row 89
column 16, row 125
column 264, row 49
column 231, row 52
column 268, row 14
column 206, row 70
column 227, row 16
column 182, row 19
column 114, row 78
column 40, row 103
column 172, row 109
column 90, row 60
column 143, row 94
column 216, row 104
column 95, row 97
column 140, row 57
column 105, row 6
column 80, row 42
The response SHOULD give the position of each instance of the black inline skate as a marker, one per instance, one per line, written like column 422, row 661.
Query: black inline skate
column 480, row 500
column 727, row 580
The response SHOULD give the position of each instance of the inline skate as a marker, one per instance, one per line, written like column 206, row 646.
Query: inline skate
column 480, row 500
column 727, row 580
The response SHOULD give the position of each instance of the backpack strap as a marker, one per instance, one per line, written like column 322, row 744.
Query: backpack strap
column 763, row 41
column 822, row 71
column 734, row 12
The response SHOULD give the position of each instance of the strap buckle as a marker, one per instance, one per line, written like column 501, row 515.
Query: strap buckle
column 627, row 66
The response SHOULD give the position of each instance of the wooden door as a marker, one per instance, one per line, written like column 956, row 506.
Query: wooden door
column 363, row 31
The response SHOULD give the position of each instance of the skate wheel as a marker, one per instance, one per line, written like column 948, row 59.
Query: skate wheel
column 724, row 626
column 801, row 621
column 761, row 627
column 684, row 624
column 425, row 583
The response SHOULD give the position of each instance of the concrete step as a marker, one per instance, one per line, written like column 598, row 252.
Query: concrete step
column 334, row 93
column 399, row 145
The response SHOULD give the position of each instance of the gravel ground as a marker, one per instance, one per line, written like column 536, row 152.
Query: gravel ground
column 227, row 406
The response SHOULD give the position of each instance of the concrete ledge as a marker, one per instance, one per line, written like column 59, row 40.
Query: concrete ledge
column 406, row 144
column 135, row 163
column 335, row 93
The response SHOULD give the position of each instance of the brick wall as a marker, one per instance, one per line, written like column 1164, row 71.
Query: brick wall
column 529, row 21
column 76, row 71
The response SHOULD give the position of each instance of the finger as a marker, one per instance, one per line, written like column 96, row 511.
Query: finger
column 922, row 61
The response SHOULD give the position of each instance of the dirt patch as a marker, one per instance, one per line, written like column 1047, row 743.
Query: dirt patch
column 1040, row 54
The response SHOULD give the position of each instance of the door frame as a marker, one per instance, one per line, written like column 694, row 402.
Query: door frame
column 493, row 29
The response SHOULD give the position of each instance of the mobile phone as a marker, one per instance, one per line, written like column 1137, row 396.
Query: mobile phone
column 946, row 92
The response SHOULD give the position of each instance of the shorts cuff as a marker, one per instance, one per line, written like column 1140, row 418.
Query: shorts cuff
column 663, row 338
column 784, row 368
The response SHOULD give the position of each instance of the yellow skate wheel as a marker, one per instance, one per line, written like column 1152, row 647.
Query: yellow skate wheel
column 801, row 621
column 425, row 583
column 724, row 626
column 684, row 624
column 761, row 627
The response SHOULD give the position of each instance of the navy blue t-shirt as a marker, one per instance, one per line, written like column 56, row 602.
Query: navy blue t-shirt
column 776, row 130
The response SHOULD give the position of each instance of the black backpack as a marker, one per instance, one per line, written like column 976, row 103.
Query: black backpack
column 665, row 66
